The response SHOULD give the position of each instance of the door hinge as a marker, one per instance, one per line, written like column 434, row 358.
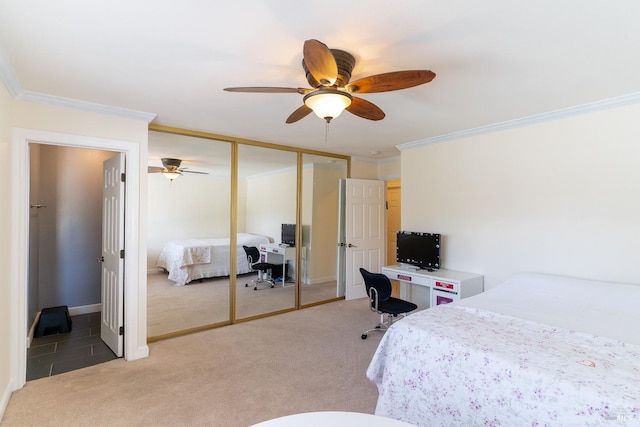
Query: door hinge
column 123, row 177
column 386, row 205
column 121, row 331
column 121, row 253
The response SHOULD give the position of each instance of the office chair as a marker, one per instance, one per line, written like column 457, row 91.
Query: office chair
column 380, row 300
column 253, row 257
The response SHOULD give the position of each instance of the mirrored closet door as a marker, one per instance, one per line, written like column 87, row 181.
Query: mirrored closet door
column 281, row 203
column 320, row 177
column 266, row 216
column 188, row 237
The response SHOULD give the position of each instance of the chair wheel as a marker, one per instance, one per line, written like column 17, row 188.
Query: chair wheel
column 255, row 289
column 363, row 336
column 246, row 285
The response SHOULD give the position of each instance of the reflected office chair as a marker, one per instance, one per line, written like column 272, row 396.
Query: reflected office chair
column 380, row 300
column 263, row 268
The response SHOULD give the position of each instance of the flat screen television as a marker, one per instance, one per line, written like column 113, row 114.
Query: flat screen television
column 288, row 235
column 418, row 249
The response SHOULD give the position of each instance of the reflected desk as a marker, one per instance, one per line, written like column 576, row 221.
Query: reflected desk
column 275, row 253
column 430, row 288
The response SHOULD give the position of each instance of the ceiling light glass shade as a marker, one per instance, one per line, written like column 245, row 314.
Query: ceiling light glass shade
column 171, row 175
column 327, row 103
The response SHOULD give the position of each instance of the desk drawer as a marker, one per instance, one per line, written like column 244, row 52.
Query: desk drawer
column 446, row 285
column 407, row 276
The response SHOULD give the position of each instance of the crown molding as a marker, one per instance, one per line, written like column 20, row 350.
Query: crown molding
column 632, row 98
column 7, row 75
column 85, row 106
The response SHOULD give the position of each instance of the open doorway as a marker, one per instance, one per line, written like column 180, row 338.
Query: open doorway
column 394, row 206
column 135, row 344
column 65, row 243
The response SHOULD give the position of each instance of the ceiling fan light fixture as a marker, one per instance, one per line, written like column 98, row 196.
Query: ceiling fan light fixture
column 328, row 103
column 171, row 175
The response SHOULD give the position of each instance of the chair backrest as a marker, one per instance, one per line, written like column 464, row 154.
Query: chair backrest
column 379, row 282
column 253, row 254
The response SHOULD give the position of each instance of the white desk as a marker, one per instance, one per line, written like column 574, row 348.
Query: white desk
column 431, row 288
column 276, row 254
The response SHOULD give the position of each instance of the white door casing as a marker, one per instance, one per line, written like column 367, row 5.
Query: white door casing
column 135, row 311
column 112, row 261
column 364, row 232
column 340, row 252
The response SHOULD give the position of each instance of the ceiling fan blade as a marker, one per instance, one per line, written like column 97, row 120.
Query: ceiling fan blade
column 258, row 89
column 300, row 113
column 320, row 62
column 198, row 172
column 394, row 80
column 154, row 169
column 365, row 109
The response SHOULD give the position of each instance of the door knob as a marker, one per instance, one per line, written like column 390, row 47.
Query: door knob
column 100, row 259
column 351, row 246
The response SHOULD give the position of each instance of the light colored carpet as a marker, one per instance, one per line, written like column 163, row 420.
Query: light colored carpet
column 173, row 308
column 306, row 360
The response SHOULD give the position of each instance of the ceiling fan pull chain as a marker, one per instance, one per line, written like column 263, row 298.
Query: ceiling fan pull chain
column 326, row 132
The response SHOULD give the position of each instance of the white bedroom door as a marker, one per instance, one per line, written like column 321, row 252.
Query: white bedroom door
column 364, row 232
column 112, row 328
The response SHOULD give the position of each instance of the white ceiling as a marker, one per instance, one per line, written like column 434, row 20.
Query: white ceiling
column 495, row 61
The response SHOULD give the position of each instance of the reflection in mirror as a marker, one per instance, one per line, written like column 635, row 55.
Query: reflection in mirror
column 266, row 195
column 320, row 176
column 188, row 234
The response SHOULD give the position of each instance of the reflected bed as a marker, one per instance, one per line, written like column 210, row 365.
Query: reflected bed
column 192, row 259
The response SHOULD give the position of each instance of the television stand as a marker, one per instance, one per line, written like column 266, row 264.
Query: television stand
column 428, row 289
column 407, row 267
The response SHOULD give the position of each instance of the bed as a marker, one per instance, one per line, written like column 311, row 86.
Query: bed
column 536, row 350
column 191, row 259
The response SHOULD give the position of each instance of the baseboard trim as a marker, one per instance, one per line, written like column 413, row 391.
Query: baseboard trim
column 6, row 396
column 140, row 353
column 85, row 309
column 318, row 280
column 32, row 329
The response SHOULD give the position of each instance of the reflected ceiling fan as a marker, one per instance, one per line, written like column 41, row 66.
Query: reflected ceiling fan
column 171, row 169
column 328, row 71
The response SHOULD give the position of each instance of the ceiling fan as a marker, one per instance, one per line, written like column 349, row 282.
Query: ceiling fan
column 328, row 71
column 171, row 169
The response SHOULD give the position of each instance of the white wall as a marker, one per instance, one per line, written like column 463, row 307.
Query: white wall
column 559, row 197
column 383, row 169
column 271, row 202
column 5, row 251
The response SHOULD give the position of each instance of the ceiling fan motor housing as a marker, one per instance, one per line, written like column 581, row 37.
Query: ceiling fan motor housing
column 170, row 163
column 345, row 62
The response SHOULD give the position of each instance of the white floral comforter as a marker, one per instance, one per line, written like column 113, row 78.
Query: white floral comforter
column 462, row 366
column 180, row 253
column 192, row 259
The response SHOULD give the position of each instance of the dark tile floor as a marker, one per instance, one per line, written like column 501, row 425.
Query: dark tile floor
column 58, row 353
